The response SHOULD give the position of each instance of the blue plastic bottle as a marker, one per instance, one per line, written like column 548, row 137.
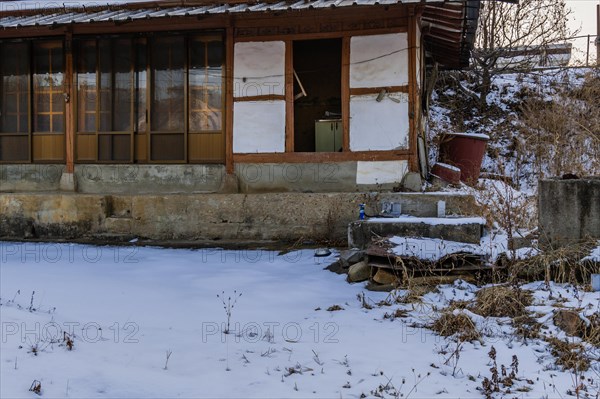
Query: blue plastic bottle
column 361, row 212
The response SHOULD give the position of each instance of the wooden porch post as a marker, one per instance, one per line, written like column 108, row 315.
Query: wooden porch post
column 289, row 96
column 69, row 97
column 67, row 180
column 412, row 90
column 229, row 50
column 346, row 93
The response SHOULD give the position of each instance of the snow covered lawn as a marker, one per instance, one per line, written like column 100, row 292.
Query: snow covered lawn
column 125, row 308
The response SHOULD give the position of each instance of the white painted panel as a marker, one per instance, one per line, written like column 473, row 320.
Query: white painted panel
column 380, row 172
column 259, row 68
column 258, row 126
column 379, row 60
column 379, row 125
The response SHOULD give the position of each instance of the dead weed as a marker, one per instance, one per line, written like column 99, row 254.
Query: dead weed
column 502, row 301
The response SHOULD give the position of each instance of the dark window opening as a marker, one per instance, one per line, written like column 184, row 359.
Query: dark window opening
column 317, row 89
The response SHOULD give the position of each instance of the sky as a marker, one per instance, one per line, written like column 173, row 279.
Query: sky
column 584, row 18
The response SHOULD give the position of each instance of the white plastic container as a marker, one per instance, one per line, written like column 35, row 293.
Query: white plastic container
column 596, row 282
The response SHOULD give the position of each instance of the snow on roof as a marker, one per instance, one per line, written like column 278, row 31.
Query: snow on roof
column 16, row 14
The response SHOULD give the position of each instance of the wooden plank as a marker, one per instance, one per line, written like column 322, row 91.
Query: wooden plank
column 346, row 94
column 229, row 51
column 432, row 269
column 289, row 96
column 264, row 97
column 360, row 91
column 320, row 35
column 320, row 157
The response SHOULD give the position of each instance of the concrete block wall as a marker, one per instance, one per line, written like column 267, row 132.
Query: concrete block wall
column 569, row 211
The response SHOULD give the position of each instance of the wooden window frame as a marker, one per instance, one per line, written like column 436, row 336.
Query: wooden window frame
column 187, row 36
column 28, row 111
column 32, row 133
column 291, row 156
column 97, row 133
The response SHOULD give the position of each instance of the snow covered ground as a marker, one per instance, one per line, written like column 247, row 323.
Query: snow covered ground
column 126, row 307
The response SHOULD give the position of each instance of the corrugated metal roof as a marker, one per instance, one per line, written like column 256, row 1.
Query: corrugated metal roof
column 118, row 12
column 448, row 26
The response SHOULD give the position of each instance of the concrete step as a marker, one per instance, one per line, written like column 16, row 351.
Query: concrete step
column 459, row 229
column 426, row 204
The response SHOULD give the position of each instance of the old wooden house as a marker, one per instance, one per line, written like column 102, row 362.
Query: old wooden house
column 208, row 96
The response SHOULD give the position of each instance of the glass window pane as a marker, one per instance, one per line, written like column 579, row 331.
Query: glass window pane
column 106, row 84
column 140, row 85
column 86, row 86
column 168, row 60
column 205, row 80
column 122, row 85
column 215, row 54
column 48, row 69
column 14, row 75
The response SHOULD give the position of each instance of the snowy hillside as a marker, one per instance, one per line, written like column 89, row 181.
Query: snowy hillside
column 540, row 123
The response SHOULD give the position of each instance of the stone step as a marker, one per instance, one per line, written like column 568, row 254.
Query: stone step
column 459, row 229
column 426, row 204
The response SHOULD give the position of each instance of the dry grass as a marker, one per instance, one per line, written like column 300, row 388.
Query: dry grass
column 458, row 304
column 561, row 265
column 569, row 355
column 397, row 314
column 592, row 332
column 502, row 301
column 527, row 327
column 554, row 132
column 459, row 324
column 413, row 295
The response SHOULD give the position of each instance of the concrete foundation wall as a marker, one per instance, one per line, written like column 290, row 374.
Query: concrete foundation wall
column 189, row 179
column 30, row 177
column 148, row 179
column 306, row 177
column 569, row 211
column 274, row 216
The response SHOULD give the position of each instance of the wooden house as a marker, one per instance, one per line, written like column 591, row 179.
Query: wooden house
column 308, row 95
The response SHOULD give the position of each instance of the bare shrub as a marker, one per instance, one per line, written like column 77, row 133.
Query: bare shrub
column 562, row 135
column 562, row 265
column 456, row 324
column 569, row 355
column 502, row 301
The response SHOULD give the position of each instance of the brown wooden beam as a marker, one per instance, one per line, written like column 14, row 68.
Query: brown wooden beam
column 229, row 52
column 320, row 157
column 346, row 93
column 70, row 95
column 262, row 97
column 361, row 91
column 289, row 96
